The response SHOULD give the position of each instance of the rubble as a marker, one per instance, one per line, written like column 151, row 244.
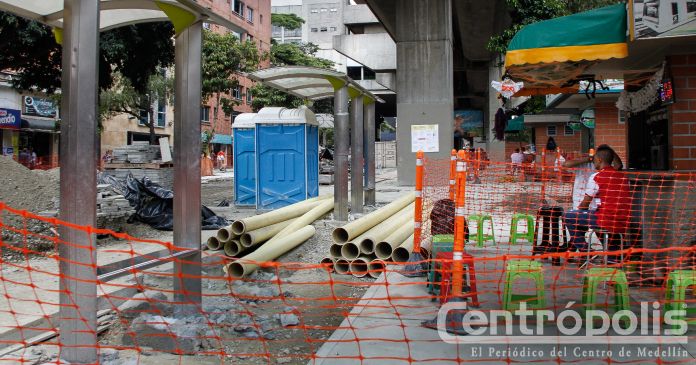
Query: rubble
column 150, row 301
column 137, row 152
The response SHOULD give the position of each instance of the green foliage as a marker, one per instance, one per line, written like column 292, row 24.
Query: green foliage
column 523, row 12
column 290, row 54
column 224, row 56
column 124, row 98
column 288, row 21
column 536, row 104
column 135, row 52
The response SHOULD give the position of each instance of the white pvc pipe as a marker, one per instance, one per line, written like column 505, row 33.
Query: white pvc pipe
column 359, row 226
column 263, row 234
column 359, row 267
column 279, row 215
column 385, row 248
column 403, row 252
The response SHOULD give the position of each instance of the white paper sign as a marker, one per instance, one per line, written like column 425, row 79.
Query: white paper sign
column 424, row 137
column 164, row 149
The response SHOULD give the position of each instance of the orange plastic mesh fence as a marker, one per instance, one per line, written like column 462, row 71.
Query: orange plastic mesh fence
column 304, row 313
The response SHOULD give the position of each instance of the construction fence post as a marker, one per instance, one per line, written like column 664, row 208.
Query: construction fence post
column 418, row 214
column 341, row 145
column 369, row 152
column 459, row 222
column 357, row 158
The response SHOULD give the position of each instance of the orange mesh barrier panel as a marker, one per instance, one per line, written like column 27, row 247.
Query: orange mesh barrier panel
column 523, row 295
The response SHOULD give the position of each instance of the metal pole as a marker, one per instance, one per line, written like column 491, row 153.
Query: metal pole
column 187, row 167
column 357, row 161
column 369, row 153
column 341, row 143
column 78, row 182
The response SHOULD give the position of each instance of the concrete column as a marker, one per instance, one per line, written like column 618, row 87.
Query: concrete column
column 494, row 147
column 78, row 182
column 341, row 145
column 187, row 166
column 369, row 152
column 357, row 160
column 423, row 78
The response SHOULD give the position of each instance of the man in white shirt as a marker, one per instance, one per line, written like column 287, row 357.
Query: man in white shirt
column 517, row 158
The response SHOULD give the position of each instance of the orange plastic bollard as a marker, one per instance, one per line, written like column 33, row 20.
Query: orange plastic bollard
column 543, row 175
column 418, row 215
column 452, row 174
column 459, row 221
column 477, row 167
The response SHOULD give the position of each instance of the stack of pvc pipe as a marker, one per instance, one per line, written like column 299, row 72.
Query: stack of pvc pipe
column 267, row 236
column 363, row 247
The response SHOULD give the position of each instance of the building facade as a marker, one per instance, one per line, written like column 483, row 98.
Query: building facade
column 254, row 16
column 28, row 126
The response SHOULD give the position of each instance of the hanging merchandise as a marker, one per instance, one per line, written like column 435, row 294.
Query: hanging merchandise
column 642, row 99
column 507, row 88
column 500, row 124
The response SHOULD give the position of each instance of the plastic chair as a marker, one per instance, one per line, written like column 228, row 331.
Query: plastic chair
column 515, row 235
column 678, row 282
column 595, row 276
column 441, row 243
column 480, row 220
column 523, row 269
column 445, row 259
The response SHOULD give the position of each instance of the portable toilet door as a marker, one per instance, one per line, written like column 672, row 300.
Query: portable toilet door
column 244, row 146
column 287, row 156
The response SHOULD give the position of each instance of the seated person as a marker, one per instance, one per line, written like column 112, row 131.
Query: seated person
column 606, row 204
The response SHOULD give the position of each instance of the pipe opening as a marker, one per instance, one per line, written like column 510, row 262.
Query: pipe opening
column 350, row 251
column 384, row 250
column 400, row 255
column 375, row 268
column 238, row 227
column 213, row 243
column 359, row 268
column 340, row 235
column 246, row 240
column 335, row 250
column 342, row 266
column 232, row 248
column 223, row 235
column 328, row 263
column 236, row 270
column 367, row 246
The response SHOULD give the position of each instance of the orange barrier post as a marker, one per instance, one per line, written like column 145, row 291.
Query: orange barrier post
column 418, row 215
column 459, row 222
column 477, row 165
column 452, row 174
column 543, row 175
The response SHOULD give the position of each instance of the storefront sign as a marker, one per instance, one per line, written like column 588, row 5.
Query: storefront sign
column 10, row 118
column 39, row 107
column 666, row 92
column 662, row 18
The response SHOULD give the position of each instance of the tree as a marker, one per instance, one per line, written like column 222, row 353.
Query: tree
column 123, row 98
column 135, row 52
column 287, row 21
column 225, row 56
column 523, row 12
column 289, row 54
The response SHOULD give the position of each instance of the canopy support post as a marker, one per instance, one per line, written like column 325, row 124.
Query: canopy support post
column 78, row 183
column 369, row 152
column 357, row 158
column 187, row 168
column 341, row 144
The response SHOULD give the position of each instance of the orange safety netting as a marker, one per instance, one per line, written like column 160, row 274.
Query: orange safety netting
column 303, row 313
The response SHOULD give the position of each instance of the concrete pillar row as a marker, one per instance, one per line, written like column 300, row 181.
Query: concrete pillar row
column 423, row 78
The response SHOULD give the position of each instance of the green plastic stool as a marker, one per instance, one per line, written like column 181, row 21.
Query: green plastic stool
column 523, row 269
column 441, row 243
column 480, row 219
column 597, row 275
column 529, row 235
column 678, row 282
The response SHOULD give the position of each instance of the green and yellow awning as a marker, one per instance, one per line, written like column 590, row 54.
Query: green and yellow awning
column 550, row 53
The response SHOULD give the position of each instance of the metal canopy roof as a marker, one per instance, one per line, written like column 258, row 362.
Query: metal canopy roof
column 117, row 13
column 310, row 83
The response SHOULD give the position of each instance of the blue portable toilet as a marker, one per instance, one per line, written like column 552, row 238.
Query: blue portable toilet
column 287, row 157
column 244, row 145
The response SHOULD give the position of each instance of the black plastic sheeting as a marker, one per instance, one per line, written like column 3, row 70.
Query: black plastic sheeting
column 154, row 205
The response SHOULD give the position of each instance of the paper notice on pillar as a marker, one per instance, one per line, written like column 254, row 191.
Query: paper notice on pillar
column 164, row 149
column 424, row 137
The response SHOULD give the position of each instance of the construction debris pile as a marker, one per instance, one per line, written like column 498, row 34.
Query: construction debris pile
column 138, row 152
column 267, row 236
column 141, row 160
column 111, row 207
column 364, row 246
